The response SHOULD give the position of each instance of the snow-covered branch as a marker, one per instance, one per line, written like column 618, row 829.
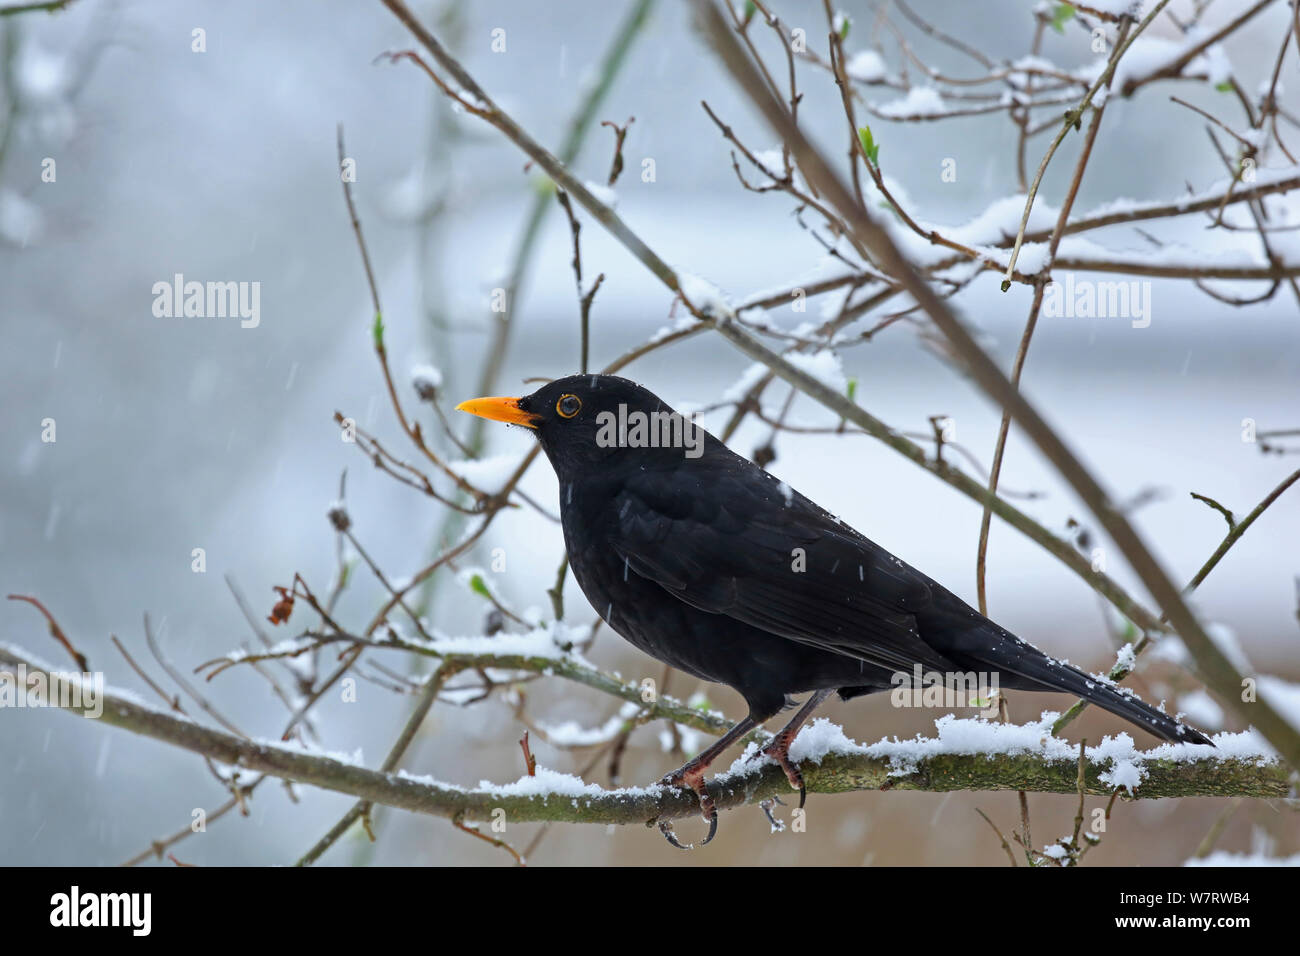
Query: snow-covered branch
column 966, row 755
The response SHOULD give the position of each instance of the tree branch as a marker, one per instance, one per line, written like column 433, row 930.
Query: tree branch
column 882, row 766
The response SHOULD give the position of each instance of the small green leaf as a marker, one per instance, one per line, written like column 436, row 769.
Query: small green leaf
column 378, row 331
column 750, row 9
column 1061, row 16
column 1224, row 87
column 869, row 146
column 477, row 585
column 844, row 26
column 852, row 389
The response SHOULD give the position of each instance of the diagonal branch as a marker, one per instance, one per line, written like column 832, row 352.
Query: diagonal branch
column 1165, row 772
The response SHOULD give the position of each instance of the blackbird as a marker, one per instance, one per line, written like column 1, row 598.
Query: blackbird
column 712, row 565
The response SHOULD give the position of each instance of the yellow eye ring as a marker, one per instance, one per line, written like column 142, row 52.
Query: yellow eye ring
column 568, row 405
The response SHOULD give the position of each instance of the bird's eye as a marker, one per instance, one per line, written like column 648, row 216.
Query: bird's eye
column 568, row 406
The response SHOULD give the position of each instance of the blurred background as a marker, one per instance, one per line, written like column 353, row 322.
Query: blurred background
column 183, row 433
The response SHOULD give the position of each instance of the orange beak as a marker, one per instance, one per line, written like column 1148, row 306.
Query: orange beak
column 500, row 410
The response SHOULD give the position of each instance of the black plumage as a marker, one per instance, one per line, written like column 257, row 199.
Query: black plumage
column 710, row 564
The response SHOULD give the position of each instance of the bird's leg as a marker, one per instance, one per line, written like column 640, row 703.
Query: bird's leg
column 779, row 747
column 691, row 774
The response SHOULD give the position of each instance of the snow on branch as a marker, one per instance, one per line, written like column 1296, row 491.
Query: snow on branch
column 967, row 754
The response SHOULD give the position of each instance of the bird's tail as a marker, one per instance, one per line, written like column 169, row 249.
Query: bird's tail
column 1037, row 671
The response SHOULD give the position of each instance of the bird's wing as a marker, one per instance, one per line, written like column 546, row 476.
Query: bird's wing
column 732, row 540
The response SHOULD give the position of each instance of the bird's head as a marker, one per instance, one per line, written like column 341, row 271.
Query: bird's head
column 587, row 420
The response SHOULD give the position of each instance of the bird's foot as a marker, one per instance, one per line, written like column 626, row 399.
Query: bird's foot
column 691, row 775
column 779, row 750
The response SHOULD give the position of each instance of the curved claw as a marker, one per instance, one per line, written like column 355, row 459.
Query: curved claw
column 795, row 776
column 693, row 780
column 666, row 828
column 713, row 826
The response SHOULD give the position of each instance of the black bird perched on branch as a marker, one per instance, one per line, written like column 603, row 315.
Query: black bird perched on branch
column 708, row 563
